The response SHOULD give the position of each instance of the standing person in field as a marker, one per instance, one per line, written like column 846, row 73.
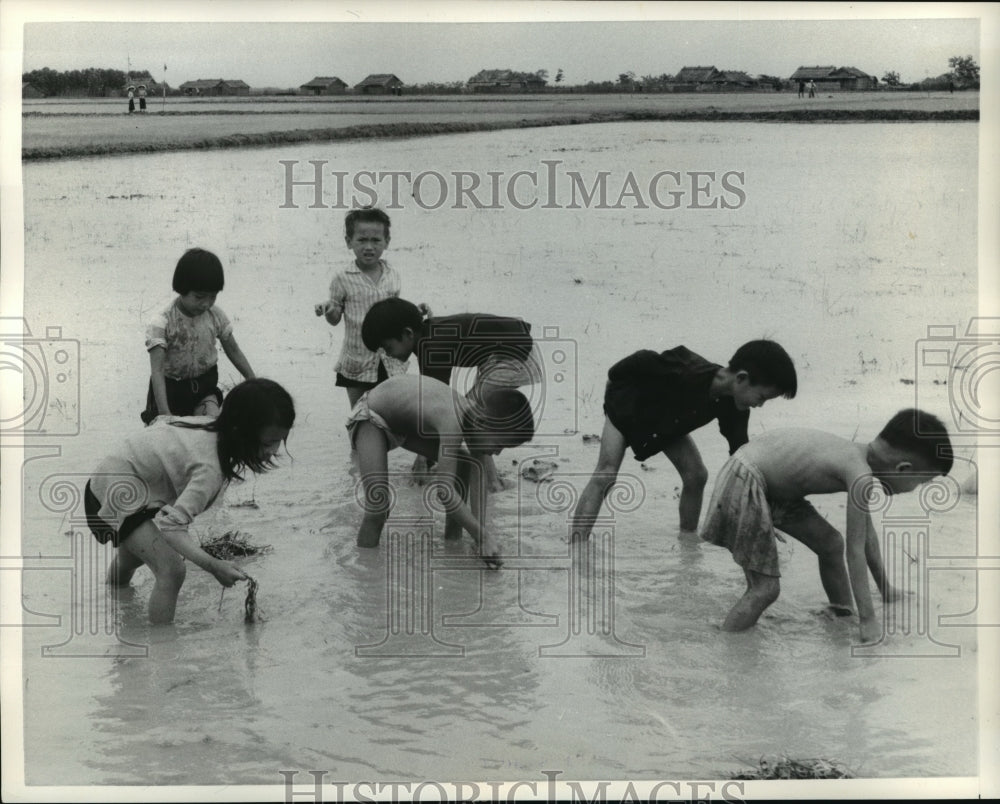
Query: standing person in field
column 142, row 497
column 142, row 97
column 763, row 487
column 184, row 371
column 353, row 291
column 812, row 88
column 653, row 401
column 131, row 99
column 500, row 348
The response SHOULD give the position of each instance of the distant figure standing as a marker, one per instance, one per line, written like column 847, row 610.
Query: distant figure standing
column 812, row 89
column 131, row 100
column 142, row 97
column 802, row 89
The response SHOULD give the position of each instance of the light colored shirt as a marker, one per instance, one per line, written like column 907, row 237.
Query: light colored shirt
column 175, row 469
column 352, row 293
column 189, row 340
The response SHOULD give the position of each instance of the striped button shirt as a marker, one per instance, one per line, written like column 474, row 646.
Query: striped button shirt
column 352, row 293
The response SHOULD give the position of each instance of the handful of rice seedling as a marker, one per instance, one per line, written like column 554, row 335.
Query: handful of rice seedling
column 251, row 614
column 232, row 544
column 785, row 768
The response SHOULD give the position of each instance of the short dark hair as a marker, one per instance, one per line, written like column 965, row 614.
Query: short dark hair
column 387, row 319
column 504, row 412
column 198, row 271
column 365, row 215
column 766, row 363
column 921, row 434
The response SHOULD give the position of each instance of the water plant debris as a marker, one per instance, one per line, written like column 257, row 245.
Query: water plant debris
column 233, row 544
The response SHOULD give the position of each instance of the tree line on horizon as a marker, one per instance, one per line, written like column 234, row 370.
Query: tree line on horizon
column 101, row 82
column 93, row 82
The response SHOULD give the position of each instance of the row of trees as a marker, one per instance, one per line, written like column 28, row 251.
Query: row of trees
column 964, row 74
column 95, row 82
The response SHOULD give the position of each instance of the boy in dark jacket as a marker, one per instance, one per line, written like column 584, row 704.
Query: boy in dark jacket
column 653, row 401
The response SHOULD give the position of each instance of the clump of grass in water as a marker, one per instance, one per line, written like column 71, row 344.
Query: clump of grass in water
column 786, row 768
column 232, row 544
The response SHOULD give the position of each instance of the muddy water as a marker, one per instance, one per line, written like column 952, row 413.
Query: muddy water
column 408, row 662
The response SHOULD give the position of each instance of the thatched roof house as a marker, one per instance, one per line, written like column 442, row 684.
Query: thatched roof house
column 29, row 90
column 692, row 79
column 215, row 87
column 695, row 75
column 505, row 81
column 324, row 85
column 709, row 79
column 734, row 80
column 379, row 84
column 837, row 79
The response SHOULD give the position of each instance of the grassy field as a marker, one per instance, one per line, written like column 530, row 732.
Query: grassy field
column 61, row 128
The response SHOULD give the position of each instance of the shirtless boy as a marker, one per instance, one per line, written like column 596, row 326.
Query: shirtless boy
column 425, row 416
column 763, row 487
column 499, row 347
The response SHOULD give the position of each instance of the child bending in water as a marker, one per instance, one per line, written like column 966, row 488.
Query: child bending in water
column 143, row 497
column 501, row 349
column 763, row 487
column 425, row 416
column 652, row 403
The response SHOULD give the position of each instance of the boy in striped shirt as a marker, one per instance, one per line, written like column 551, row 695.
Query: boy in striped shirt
column 369, row 279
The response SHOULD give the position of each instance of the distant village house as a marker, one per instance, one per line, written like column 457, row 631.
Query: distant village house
column 137, row 79
column 29, row 90
column 215, row 87
column 505, row 81
column 322, row 85
column 709, row 79
column 835, row 79
column 380, row 84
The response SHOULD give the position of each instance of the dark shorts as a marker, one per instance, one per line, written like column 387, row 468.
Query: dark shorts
column 184, row 396
column 104, row 532
column 643, row 441
column 347, row 382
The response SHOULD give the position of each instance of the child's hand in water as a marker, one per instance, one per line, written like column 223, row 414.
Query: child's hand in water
column 493, row 562
column 871, row 630
column 490, row 552
column 227, row 573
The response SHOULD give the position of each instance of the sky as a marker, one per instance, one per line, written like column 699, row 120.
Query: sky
column 288, row 42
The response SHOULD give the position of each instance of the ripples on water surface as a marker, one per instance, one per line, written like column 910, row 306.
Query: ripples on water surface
column 334, row 679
